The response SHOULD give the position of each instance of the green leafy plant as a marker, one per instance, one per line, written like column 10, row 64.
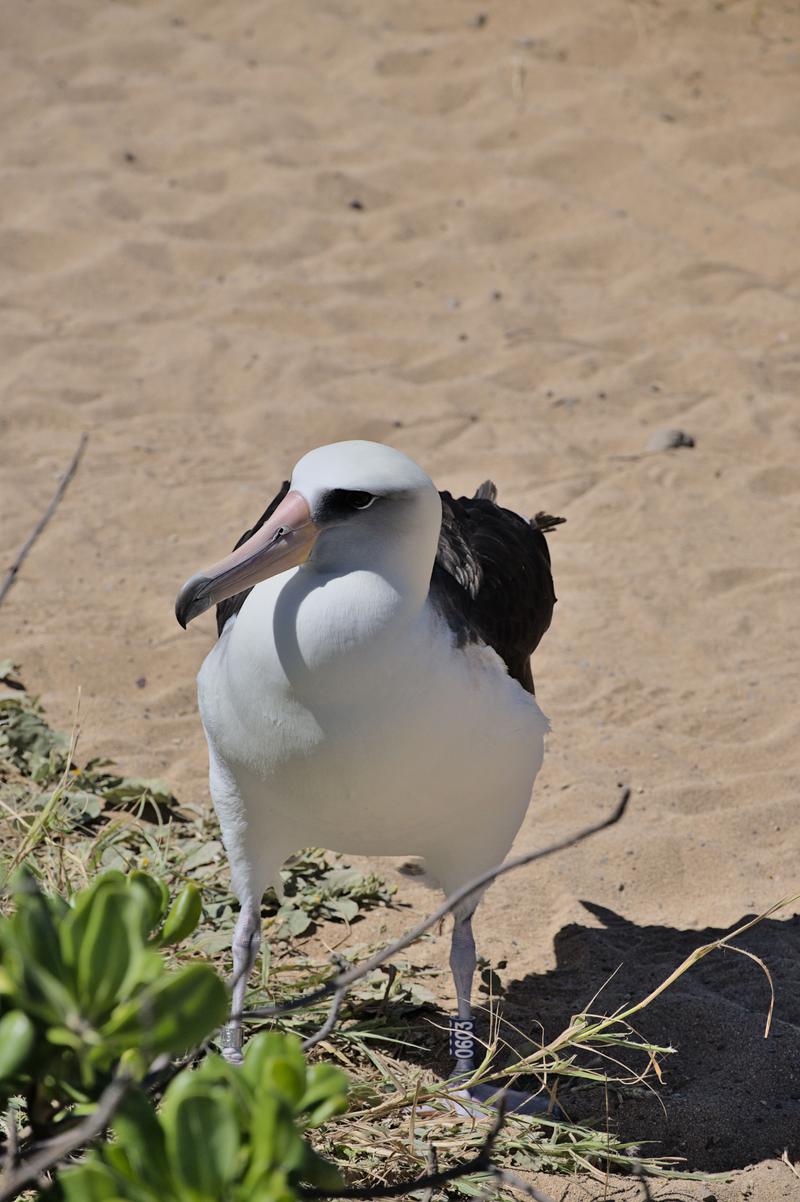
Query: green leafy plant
column 82, row 984
column 221, row 1135
column 41, row 757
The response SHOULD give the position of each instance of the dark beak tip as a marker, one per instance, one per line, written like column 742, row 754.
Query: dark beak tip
column 192, row 600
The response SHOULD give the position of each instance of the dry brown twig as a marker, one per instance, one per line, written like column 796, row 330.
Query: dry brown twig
column 63, row 484
column 58, row 1149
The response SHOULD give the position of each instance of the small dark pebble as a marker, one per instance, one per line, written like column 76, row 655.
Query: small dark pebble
column 667, row 440
column 463, row 338
column 398, row 425
column 130, row 157
column 141, row 681
column 497, row 295
column 668, row 117
column 357, row 204
column 411, row 868
column 479, row 21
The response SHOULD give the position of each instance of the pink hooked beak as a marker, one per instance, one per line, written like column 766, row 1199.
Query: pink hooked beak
column 284, row 541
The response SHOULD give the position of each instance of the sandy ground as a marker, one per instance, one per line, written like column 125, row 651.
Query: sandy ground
column 512, row 242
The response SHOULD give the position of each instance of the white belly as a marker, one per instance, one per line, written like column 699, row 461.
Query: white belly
column 399, row 745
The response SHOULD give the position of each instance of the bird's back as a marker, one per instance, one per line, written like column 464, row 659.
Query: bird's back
column 492, row 580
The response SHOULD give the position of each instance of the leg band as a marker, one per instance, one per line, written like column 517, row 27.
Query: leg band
column 462, row 1038
column 231, row 1037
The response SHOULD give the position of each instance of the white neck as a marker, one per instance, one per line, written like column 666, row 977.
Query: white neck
column 322, row 626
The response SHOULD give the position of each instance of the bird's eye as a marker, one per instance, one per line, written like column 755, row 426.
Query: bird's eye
column 352, row 499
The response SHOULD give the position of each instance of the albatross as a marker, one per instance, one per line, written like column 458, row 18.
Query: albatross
column 371, row 691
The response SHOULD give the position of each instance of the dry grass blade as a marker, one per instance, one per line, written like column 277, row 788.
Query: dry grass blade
column 38, row 828
column 700, row 952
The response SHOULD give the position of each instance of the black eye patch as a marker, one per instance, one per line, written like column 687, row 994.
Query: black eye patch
column 341, row 501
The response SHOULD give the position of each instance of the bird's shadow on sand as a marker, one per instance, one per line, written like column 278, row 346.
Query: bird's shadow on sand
column 729, row 1096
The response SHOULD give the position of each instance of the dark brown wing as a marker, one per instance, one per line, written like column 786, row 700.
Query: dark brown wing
column 231, row 605
column 491, row 580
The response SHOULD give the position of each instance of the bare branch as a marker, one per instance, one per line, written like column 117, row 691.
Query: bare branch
column 330, row 1021
column 344, row 980
column 51, row 1153
column 22, row 554
column 56, row 1150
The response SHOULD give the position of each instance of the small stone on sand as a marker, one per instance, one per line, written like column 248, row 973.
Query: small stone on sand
column 666, row 440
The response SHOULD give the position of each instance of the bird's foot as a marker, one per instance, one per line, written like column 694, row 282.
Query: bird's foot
column 515, row 1101
column 477, row 1100
column 231, row 1040
column 488, row 1095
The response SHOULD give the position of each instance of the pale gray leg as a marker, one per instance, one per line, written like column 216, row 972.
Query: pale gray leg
column 462, row 1039
column 462, row 965
column 246, row 944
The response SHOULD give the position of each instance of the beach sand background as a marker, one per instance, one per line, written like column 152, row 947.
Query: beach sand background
column 512, row 241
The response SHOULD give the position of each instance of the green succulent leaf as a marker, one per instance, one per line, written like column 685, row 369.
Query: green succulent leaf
column 89, row 1182
column 32, row 926
column 325, row 1095
column 63, row 1037
column 184, row 916
column 174, row 1014
column 74, row 924
column 17, row 1037
column 36, row 990
column 203, row 1139
column 274, row 1140
column 274, row 1060
column 285, row 1078
column 142, row 1137
column 154, row 892
column 318, row 1171
column 109, row 948
column 273, row 1187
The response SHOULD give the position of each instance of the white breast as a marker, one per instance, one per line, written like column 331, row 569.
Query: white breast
column 336, row 717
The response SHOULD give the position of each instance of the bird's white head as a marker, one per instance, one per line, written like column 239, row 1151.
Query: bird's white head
column 351, row 506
